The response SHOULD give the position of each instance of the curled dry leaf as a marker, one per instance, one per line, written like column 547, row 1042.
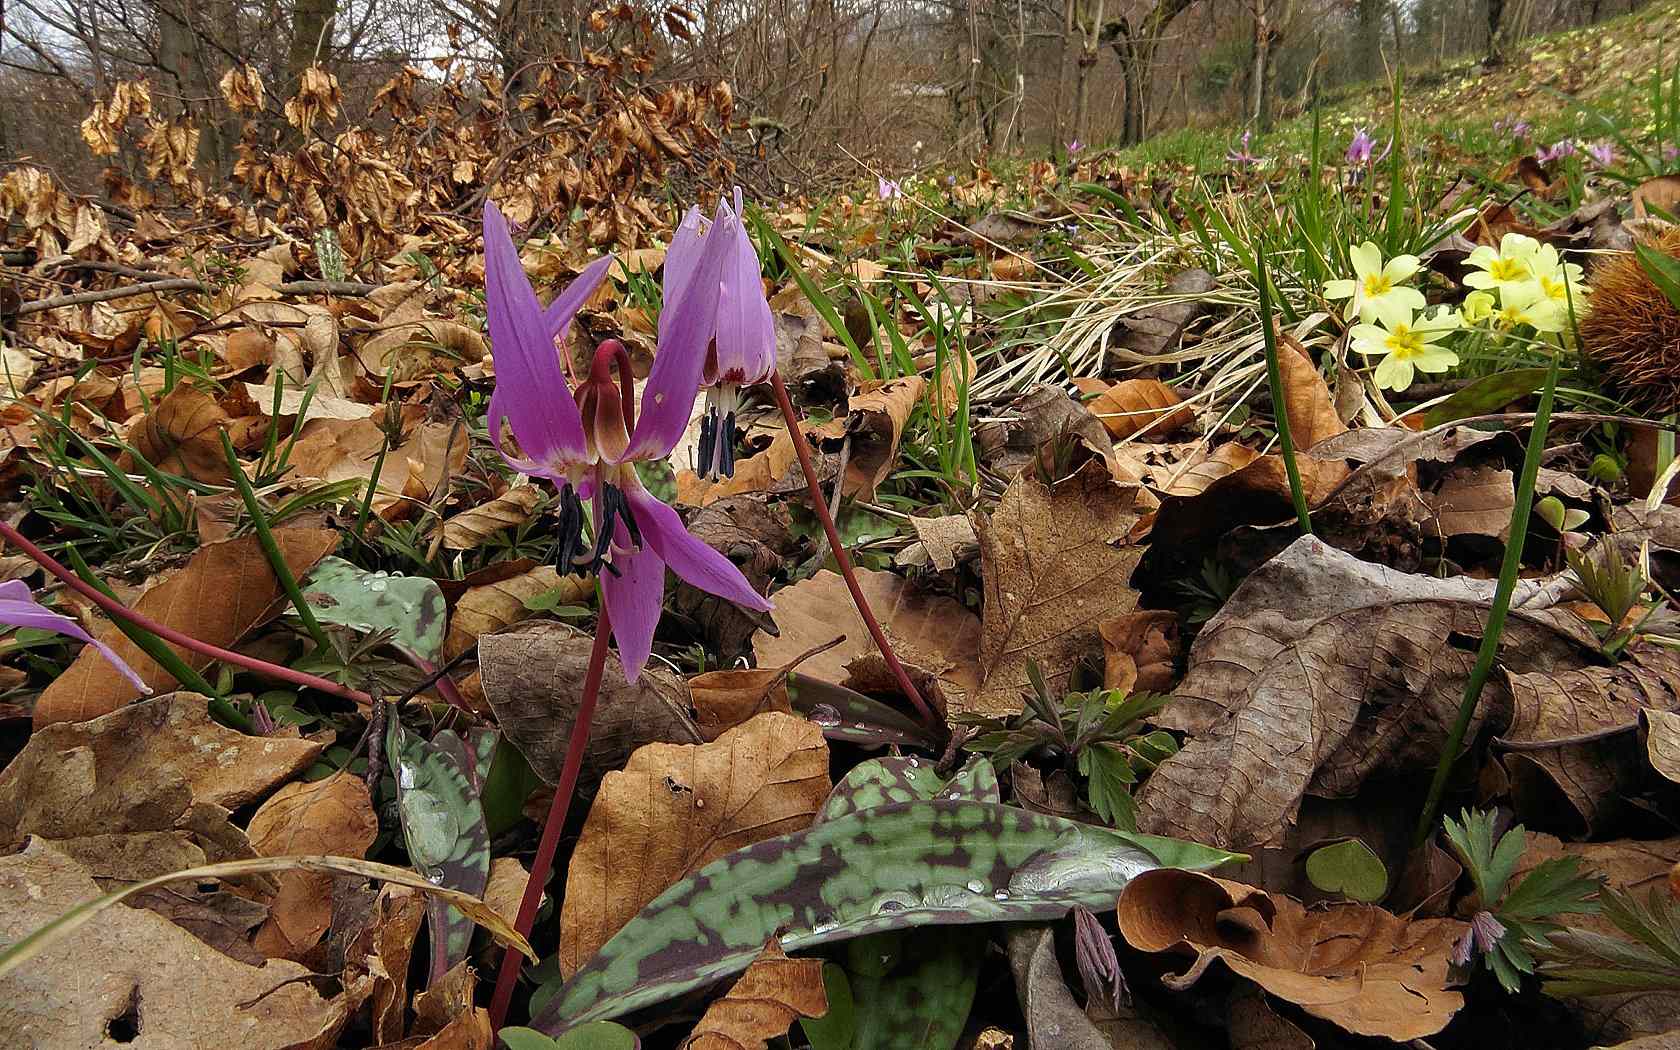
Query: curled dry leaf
column 875, row 420
column 182, row 434
column 533, row 680
column 1056, row 560
column 1582, row 782
column 488, row 607
column 1046, row 416
column 676, row 808
column 219, row 595
column 154, row 977
column 773, row 470
column 1145, row 336
column 1355, row 965
column 1140, row 650
column 332, row 816
column 940, row 542
column 471, row 527
column 1662, row 742
column 1148, row 406
column 763, row 1003
column 1321, row 670
column 931, row 633
column 412, row 471
column 756, row 534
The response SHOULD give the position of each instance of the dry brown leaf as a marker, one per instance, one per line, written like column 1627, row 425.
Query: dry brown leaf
column 506, row 887
column 940, row 542
column 1053, row 1016
column 471, row 527
column 724, row 699
column 412, row 472
column 224, row 591
column 132, row 970
column 182, row 432
column 1135, row 405
column 1629, row 865
column 875, row 419
column 675, row 808
column 762, row 1003
column 489, row 607
column 1144, row 336
column 1042, row 419
column 331, row 817
column 756, row 534
column 1354, row 965
column 141, row 768
column 1661, row 192
column 1474, row 501
column 930, row 633
column 1662, row 742
column 1056, row 561
column 1205, row 470
column 1252, row 1024
column 1583, row 782
column 1321, row 670
column 1140, row 650
column 533, row 680
column 377, row 958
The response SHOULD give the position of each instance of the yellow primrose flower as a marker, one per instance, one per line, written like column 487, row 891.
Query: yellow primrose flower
column 1511, row 264
column 1375, row 285
column 1530, row 303
column 1478, row 307
column 1406, row 343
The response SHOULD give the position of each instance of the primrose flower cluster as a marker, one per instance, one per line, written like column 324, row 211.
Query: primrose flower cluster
column 1523, row 287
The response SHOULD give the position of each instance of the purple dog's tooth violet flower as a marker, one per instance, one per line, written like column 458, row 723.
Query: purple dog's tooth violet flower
column 1362, row 151
column 589, row 445
column 1240, row 156
column 18, row 609
column 1074, row 147
column 888, row 189
column 742, row 344
column 1556, row 151
column 1602, row 153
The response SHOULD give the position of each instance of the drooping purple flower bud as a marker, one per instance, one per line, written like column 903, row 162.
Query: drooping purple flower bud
column 1074, row 147
column 1099, row 966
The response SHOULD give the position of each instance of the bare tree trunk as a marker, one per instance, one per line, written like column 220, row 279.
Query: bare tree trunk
column 1257, row 78
column 1090, row 36
column 312, row 30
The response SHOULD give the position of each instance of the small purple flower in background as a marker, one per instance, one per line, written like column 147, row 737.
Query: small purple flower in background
column 743, row 339
column 1670, row 153
column 1074, row 147
column 589, row 446
column 1602, row 153
column 1362, row 151
column 888, row 189
column 1240, row 156
column 1484, row 932
column 950, row 180
column 18, row 609
column 1556, row 151
column 1517, row 129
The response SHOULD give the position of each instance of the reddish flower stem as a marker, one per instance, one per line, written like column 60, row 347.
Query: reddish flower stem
column 820, row 507
column 169, row 634
column 508, row 976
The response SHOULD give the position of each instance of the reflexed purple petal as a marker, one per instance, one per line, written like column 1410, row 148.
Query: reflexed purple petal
column 680, row 259
column 683, row 340
column 634, row 598
column 531, row 392
column 557, row 319
column 18, row 609
column 746, row 333
column 687, row 556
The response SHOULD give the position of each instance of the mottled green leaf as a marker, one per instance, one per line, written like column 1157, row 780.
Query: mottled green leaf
column 847, row 715
column 883, row 781
column 602, row 1035
column 1348, row 867
column 443, row 826
column 896, row 866
column 411, row 607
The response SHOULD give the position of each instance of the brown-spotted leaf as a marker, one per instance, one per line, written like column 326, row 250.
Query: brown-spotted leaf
column 533, row 680
column 932, row 634
column 1355, row 965
column 331, row 817
column 763, row 1003
column 1581, row 783
column 677, row 807
column 218, row 596
column 1057, row 561
column 1320, row 671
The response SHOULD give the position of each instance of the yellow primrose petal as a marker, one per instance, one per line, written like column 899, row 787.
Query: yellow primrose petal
column 1519, row 246
column 1341, row 288
column 1393, row 310
column 1394, row 373
column 1366, row 259
column 1434, row 359
column 1481, row 257
column 1401, row 267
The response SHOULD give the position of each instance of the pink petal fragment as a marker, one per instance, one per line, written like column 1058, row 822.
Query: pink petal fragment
column 18, row 609
column 634, row 598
